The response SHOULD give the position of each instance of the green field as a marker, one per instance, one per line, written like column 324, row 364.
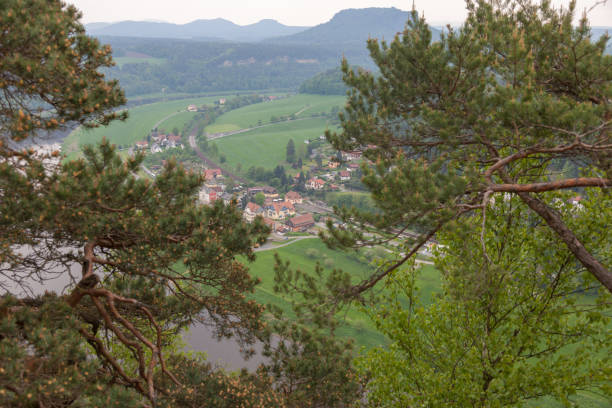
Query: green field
column 266, row 146
column 136, row 127
column 179, row 121
column 301, row 105
column 356, row 324
column 121, row 61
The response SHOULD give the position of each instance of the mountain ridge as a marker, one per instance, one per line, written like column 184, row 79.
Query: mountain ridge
column 218, row 28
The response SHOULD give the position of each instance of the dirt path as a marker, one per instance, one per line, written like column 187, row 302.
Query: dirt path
column 270, row 246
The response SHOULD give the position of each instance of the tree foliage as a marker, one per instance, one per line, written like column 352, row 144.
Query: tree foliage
column 50, row 70
column 488, row 109
column 141, row 259
column 524, row 326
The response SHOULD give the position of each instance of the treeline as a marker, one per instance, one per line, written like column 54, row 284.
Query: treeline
column 326, row 83
column 194, row 66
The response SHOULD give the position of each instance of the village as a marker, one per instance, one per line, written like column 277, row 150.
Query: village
column 284, row 213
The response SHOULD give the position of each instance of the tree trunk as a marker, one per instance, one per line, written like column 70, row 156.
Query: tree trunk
column 554, row 221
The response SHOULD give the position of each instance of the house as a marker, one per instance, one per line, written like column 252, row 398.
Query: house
column 207, row 195
column 251, row 211
column 352, row 155
column 222, row 101
column 315, row 184
column 155, row 148
column 345, row 175
column 160, row 137
column 270, row 192
column 293, row 197
column 192, row 108
column 252, row 191
column 212, row 174
column 226, row 197
column 333, row 164
column 301, row 222
column 173, row 140
column 352, row 167
column 142, row 144
column 279, row 210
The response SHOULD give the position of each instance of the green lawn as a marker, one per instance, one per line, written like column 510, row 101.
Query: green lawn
column 248, row 116
column 136, row 127
column 267, row 146
column 356, row 324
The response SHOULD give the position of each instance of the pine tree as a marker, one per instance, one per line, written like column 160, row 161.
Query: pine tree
column 142, row 259
column 486, row 110
column 290, row 151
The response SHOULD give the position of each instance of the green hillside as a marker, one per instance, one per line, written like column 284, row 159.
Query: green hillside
column 136, row 127
column 300, row 105
column 266, row 146
column 356, row 324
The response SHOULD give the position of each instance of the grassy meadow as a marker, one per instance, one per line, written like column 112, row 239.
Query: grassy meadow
column 356, row 324
column 136, row 127
column 248, row 116
column 267, row 146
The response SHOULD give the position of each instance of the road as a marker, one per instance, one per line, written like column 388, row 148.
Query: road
column 213, row 136
column 268, row 246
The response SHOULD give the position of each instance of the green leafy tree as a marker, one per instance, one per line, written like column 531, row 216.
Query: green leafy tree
column 485, row 111
column 521, row 327
column 260, row 198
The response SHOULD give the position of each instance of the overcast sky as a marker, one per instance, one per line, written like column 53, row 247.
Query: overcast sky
column 289, row 12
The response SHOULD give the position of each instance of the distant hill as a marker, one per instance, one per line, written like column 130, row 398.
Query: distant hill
column 347, row 32
column 218, row 29
column 198, row 64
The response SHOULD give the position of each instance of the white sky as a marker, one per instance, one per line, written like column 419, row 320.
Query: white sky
column 289, row 12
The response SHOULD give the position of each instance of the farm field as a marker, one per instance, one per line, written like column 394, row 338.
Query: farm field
column 356, row 323
column 179, row 121
column 301, row 105
column 136, row 127
column 266, row 146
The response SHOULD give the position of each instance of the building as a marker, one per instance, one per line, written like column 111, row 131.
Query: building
column 352, row 155
column 142, row 144
column 333, row 164
column 345, row 175
column 173, row 140
column 293, row 197
column 301, row 222
column 279, row 210
column 212, row 174
column 192, row 108
column 315, row 184
column 270, row 192
column 252, row 191
column 251, row 211
column 207, row 195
